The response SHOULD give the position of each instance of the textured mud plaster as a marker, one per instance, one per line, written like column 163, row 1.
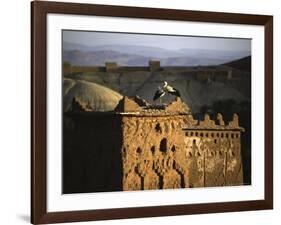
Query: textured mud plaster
column 167, row 148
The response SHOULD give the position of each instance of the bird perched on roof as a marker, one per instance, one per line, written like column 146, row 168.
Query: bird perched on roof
column 171, row 90
column 162, row 91
column 159, row 94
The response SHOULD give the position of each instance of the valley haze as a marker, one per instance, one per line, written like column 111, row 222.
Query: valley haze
column 137, row 55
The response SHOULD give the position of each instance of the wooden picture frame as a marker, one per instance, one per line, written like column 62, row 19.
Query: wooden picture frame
column 40, row 9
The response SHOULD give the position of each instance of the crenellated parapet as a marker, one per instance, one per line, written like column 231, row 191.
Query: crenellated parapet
column 220, row 120
column 218, row 124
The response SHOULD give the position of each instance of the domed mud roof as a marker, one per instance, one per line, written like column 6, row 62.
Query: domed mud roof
column 97, row 97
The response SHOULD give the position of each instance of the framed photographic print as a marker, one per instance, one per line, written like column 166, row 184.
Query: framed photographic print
column 142, row 112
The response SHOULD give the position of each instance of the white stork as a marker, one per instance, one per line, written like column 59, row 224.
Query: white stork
column 159, row 94
column 171, row 90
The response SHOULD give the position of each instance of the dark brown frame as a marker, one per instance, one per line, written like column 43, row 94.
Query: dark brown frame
column 39, row 11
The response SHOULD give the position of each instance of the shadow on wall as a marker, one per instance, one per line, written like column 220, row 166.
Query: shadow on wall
column 91, row 157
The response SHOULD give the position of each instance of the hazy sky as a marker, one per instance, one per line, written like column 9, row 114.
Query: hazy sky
column 167, row 42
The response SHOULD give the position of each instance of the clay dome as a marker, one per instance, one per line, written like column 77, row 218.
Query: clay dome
column 97, row 97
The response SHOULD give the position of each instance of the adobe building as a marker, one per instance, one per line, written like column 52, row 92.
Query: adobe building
column 167, row 148
column 139, row 146
column 214, row 151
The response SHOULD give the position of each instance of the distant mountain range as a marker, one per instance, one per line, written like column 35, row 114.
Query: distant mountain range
column 128, row 55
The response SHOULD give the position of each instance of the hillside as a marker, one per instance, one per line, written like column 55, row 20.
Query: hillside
column 194, row 93
column 243, row 64
column 144, row 84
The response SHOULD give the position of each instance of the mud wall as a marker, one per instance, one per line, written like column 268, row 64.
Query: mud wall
column 158, row 154
column 152, row 153
column 215, row 157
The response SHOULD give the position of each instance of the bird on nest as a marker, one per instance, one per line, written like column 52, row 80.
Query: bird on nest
column 159, row 94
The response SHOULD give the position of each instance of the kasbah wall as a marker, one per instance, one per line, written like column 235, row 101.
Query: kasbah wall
column 200, row 73
column 165, row 148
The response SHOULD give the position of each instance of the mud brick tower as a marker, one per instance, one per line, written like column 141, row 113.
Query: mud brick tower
column 140, row 146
